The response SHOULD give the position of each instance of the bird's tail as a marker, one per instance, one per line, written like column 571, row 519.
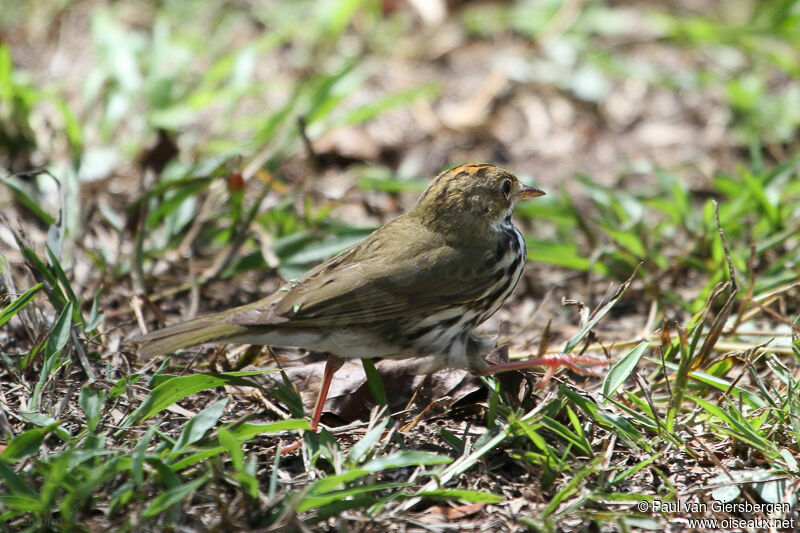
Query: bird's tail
column 208, row 328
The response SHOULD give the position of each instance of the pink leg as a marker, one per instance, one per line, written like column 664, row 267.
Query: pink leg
column 331, row 366
column 554, row 361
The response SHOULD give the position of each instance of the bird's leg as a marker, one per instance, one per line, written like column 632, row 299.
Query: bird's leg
column 554, row 361
column 331, row 366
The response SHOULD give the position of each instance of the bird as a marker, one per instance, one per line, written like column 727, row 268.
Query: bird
column 417, row 287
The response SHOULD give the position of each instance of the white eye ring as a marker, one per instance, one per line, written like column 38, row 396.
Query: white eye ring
column 505, row 188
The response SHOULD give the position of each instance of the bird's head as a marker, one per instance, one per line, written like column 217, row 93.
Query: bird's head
column 477, row 193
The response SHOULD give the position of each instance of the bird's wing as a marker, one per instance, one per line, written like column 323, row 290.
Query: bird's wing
column 366, row 284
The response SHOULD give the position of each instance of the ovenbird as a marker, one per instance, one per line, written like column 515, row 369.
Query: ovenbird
column 417, row 287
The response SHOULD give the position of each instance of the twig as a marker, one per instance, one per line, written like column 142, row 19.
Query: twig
column 725, row 247
column 313, row 158
column 223, row 259
column 718, row 324
column 82, row 356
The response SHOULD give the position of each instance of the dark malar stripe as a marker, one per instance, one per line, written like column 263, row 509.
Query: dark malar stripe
column 511, row 235
column 508, row 271
column 517, row 242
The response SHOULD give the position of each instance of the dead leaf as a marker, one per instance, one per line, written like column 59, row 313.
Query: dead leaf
column 460, row 511
column 348, row 143
column 350, row 399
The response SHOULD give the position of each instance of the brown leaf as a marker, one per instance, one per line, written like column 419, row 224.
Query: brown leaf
column 460, row 511
column 350, row 399
column 348, row 143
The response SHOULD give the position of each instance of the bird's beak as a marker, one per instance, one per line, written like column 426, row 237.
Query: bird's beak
column 529, row 192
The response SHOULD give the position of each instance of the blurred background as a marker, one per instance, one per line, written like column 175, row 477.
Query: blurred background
column 232, row 104
column 389, row 92
column 164, row 158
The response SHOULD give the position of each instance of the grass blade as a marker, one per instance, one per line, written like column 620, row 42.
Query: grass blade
column 178, row 388
column 599, row 313
column 167, row 499
column 19, row 302
column 623, row 368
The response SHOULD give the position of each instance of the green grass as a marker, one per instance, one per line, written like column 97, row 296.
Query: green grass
column 706, row 395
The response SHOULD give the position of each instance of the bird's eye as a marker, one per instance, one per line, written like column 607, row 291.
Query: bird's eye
column 506, row 187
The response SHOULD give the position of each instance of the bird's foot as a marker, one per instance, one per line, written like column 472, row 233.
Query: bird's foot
column 554, row 361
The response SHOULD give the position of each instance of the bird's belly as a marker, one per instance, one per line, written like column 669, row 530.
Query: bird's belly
column 446, row 339
column 343, row 342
